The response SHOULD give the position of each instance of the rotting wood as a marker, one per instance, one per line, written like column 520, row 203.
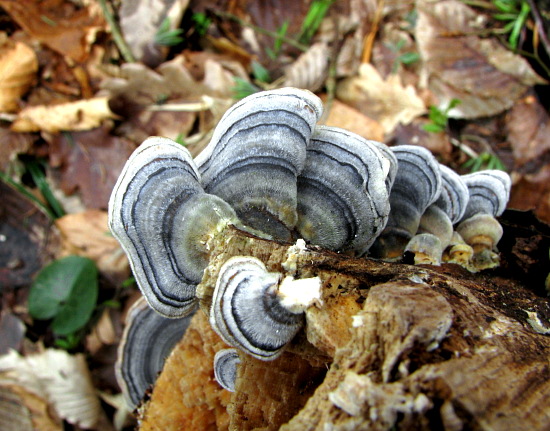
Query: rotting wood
column 393, row 347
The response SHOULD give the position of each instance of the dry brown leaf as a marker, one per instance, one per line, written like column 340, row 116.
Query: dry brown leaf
column 486, row 77
column 87, row 234
column 22, row 410
column 62, row 25
column 12, row 144
column 532, row 192
column 58, row 377
column 309, row 71
column 528, row 126
column 89, row 162
column 140, row 22
column 385, row 100
column 81, row 115
column 346, row 117
column 18, row 67
column 102, row 333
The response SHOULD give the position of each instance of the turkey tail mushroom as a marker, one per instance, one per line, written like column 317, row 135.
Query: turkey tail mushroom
column 489, row 193
column 257, row 151
column 147, row 340
column 257, row 312
column 435, row 230
column 342, row 191
column 161, row 216
column 417, row 185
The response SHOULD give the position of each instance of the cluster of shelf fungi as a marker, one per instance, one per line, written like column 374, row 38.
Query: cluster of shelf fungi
column 280, row 225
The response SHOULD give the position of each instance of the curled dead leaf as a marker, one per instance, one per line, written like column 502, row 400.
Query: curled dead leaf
column 309, row 71
column 18, row 67
column 23, row 410
column 61, row 379
column 140, row 23
column 80, row 115
column 387, row 101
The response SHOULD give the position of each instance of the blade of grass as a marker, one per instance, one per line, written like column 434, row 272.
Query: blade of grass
column 40, row 180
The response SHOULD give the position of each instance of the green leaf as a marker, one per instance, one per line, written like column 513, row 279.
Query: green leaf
column 202, row 22
column 260, row 73
column 281, row 32
column 65, row 290
column 243, row 88
column 317, row 11
column 166, row 36
column 433, row 128
column 409, row 57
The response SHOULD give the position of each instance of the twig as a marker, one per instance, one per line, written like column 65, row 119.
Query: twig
column 117, row 36
column 540, row 24
column 275, row 35
column 205, row 104
column 464, row 148
column 369, row 38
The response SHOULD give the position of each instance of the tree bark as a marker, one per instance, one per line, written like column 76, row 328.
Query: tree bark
column 392, row 346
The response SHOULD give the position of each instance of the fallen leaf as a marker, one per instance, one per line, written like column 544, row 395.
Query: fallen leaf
column 140, row 22
column 80, row 115
column 413, row 134
column 89, row 162
column 385, row 100
column 18, row 67
column 22, row 410
column 62, row 25
column 528, row 125
column 532, row 192
column 87, row 234
column 346, row 117
column 101, row 334
column 58, row 377
column 12, row 332
column 12, row 144
column 486, row 77
column 309, row 71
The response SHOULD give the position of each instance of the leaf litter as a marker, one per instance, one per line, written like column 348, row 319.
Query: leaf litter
column 73, row 104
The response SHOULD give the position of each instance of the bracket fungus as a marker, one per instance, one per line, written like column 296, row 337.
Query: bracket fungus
column 417, row 185
column 225, row 368
column 257, row 312
column 147, row 340
column 256, row 153
column 342, row 195
column 271, row 171
column 489, row 193
column 161, row 216
column 435, row 231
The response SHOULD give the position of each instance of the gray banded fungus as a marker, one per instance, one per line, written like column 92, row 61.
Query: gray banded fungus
column 489, row 193
column 436, row 224
column 147, row 340
column 388, row 154
column 225, row 368
column 342, row 193
column 257, row 312
column 257, row 151
column 161, row 216
column 417, row 185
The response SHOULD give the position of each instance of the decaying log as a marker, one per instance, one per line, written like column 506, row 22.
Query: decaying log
column 392, row 346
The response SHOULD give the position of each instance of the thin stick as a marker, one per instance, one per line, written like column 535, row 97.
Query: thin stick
column 117, row 36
